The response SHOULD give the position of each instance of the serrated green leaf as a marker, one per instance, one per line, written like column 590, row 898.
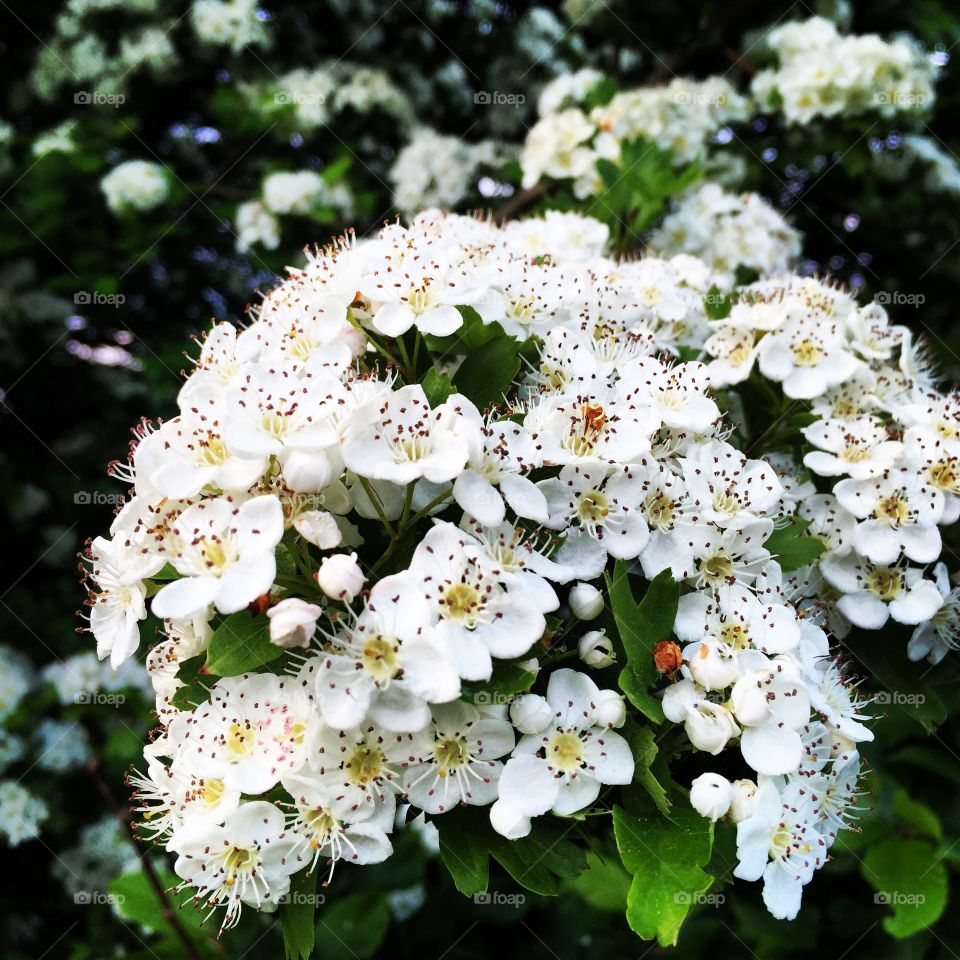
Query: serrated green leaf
column 240, row 644
column 463, row 852
column 352, row 927
column 635, row 690
column 138, row 901
column 666, row 858
column 508, row 678
column 716, row 304
column 604, row 884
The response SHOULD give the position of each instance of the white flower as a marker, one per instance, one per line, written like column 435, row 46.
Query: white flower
column 328, row 824
column 250, row 733
column 859, row 448
column 478, row 616
column 598, row 508
column 137, row 185
column 297, row 192
column 940, row 634
column 530, row 713
column 779, row 842
column 898, row 515
column 388, row 665
column 586, row 601
column 225, row 555
column 246, row 861
column 457, row 758
column 711, row 795
column 256, row 226
column 293, row 622
column 743, row 799
column 562, row 767
column 874, row 592
column 410, row 440
column 340, row 576
column 117, row 570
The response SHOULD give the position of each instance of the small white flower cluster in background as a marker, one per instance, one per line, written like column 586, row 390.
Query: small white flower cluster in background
column 821, row 73
column 229, row 23
column 727, row 230
column 299, row 192
column 879, row 426
column 567, row 141
column 264, row 504
column 316, row 96
column 437, row 170
column 135, row 186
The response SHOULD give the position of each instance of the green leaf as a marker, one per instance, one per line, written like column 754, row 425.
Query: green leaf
column 910, row 878
column 604, row 884
column 297, row 915
column 917, row 817
column 196, row 683
column 644, row 748
column 486, row 373
column 352, row 927
column 643, row 625
column 716, row 305
column 666, row 859
column 167, row 572
column 790, row 545
column 508, row 678
column 240, row 644
column 463, row 852
column 635, row 689
column 138, row 901
column 471, row 335
column 437, row 387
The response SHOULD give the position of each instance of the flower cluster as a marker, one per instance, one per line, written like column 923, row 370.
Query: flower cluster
column 347, row 555
column 680, row 117
column 437, row 170
column 135, row 186
column 821, row 73
column 728, row 230
column 879, row 431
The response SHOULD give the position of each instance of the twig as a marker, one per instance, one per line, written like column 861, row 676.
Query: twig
column 519, row 201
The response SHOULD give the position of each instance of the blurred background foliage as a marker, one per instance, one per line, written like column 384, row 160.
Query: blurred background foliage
column 96, row 312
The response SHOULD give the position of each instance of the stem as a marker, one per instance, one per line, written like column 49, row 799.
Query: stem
column 169, row 914
column 375, row 500
column 410, row 371
column 435, row 502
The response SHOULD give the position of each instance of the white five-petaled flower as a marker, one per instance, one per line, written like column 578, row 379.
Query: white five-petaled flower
column 562, row 766
column 224, row 554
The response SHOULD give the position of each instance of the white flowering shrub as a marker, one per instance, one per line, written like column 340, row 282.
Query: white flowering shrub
column 441, row 463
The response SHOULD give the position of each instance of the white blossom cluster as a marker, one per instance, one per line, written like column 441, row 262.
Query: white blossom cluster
column 822, row 73
column 292, row 439
column 681, row 117
column 135, row 186
column 299, row 192
column 727, row 230
column 878, row 425
column 438, row 170
column 229, row 23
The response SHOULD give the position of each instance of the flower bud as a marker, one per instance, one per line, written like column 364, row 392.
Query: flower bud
column 586, row 601
column 596, row 650
column 743, row 800
column 710, row 795
column 709, row 726
column 293, row 622
column 340, row 576
column 609, row 709
column 508, row 821
column 712, row 664
column 530, row 713
column 678, row 697
column 667, row 657
column 749, row 700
